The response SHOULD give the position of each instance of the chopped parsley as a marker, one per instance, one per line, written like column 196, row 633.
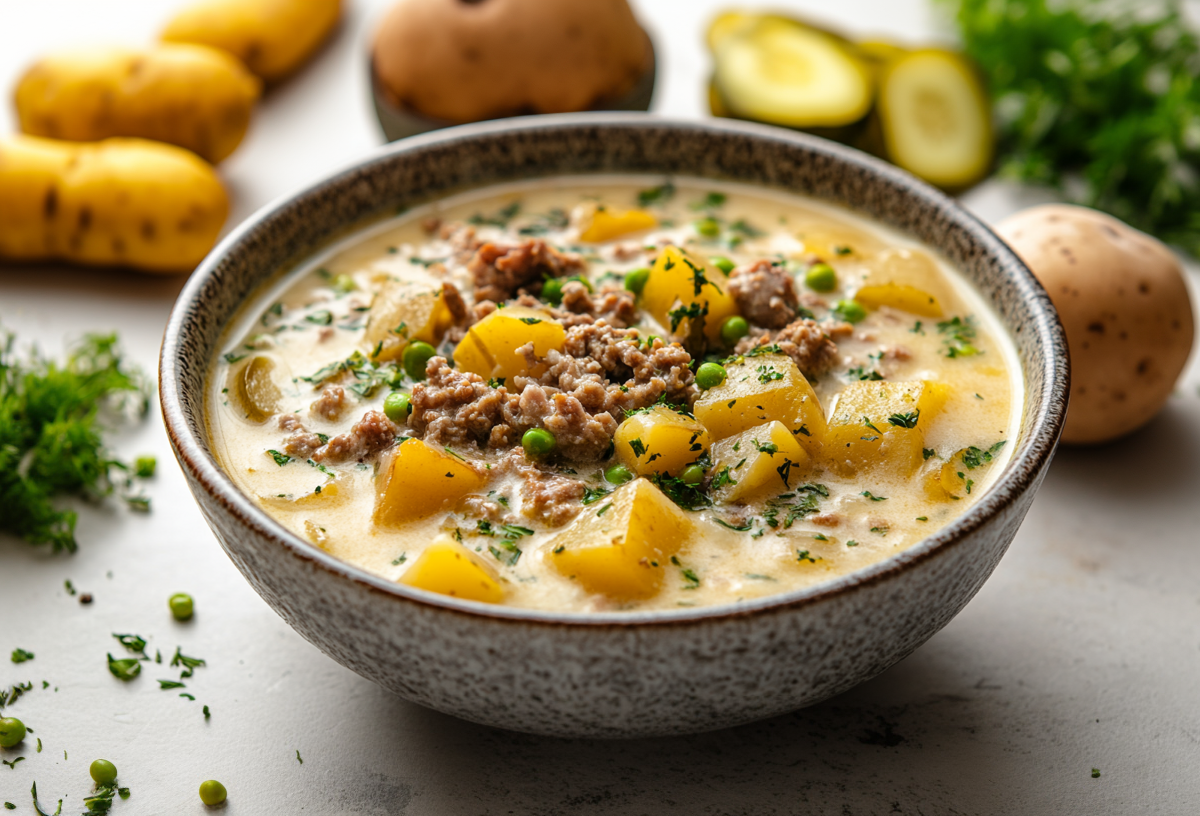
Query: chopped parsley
column 908, row 420
column 50, row 434
column 804, row 555
column 126, row 669
column 281, row 459
column 958, row 337
column 189, row 664
column 591, row 495
column 693, row 580
column 638, row 447
column 741, row 528
column 974, row 457
column 689, row 497
column 499, row 219
column 20, row 655
column 694, row 311
column 170, row 684
column 767, row 374
column 656, row 195
column 134, row 643
column 872, row 496
column 862, row 373
column 794, row 505
column 709, row 202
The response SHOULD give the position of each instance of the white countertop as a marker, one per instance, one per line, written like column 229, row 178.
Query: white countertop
column 1082, row 652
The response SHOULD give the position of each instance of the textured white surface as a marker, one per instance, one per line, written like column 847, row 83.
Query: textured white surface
column 1082, row 651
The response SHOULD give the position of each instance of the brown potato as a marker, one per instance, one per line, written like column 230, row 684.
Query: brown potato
column 1124, row 303
column 462, row 62
column 186, row 95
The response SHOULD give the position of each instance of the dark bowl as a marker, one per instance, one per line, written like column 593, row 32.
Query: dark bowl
column 612, row 674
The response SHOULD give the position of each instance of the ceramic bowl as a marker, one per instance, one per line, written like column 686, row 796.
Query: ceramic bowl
column 612, row 674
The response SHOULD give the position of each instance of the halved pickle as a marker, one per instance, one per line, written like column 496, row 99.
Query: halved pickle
column 254, row 390
column 786, row 73
column 935, row 118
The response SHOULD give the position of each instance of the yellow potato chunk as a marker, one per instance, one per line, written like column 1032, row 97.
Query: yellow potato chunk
column 881, row 425
column 416, row 480
column 620, row 547
column 900, row 296
column 399, row 315
column 607, row 224
column 764, row 459
column 253, row 389
column 905, row 279
column 963, row 471
column 759, row 389
column 490, row 347
column 448, row 568
column 660, row 440
column 679, row 281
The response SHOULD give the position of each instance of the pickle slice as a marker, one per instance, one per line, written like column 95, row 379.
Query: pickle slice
column 934, row 118
column 254, row 390
column 785, row 73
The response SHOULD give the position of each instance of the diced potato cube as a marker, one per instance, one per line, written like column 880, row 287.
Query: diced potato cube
column 764, row 459
column 904, row 279
column 900, row 296
column 254, row 390
column 680, row 281
column 449, row 568
column 399, row 315
column 490, row 347
column 621, row 547
column 660, row 440
column 881, row 425
column 607, row 224
column 760, row 389
column 416, row 480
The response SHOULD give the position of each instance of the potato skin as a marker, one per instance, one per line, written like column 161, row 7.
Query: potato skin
column 271, row 37
column 1123, row 301
column 186, row 95
column 118, row 202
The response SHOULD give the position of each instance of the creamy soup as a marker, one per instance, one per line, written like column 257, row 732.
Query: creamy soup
column 616, row 393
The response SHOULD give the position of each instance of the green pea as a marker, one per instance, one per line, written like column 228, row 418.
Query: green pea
column 103, row 772
column 692, row 475
column 708, row 227
column 397, row 406
column 182, row 606
column 212, row 792
column 552, row 291
column 617, row 474
column 850, row 310
column 723, row 263
column 733, row 329
column 635, row 280
column 538, row 442
column 343, row 284
column 12, row 731
column 416, row 355
column 710, row 375
column 821, row 277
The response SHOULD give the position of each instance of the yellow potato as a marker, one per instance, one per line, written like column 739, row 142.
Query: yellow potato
column 449, row 568
column 660, row 440
column 272, row 37
column 186, row 95
column 490, row 347
column 416, row 480
column 118, row 202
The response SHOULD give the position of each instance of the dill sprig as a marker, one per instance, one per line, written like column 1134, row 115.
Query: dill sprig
column 50, row 435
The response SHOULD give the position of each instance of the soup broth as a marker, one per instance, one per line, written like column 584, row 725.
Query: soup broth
column 616, row 393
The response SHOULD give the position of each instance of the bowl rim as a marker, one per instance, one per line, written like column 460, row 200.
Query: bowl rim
column 1022, row 471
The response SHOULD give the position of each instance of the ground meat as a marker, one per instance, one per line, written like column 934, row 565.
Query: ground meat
column 459, row 310
column 612, row 304
column 301, row 443
column 826, row 519
column 584, row 392
column 551, row 497
column 476, row 506
column 331, row 404
column 807, row 342
column 501, row 272
column 370, row 436
column 765, row 294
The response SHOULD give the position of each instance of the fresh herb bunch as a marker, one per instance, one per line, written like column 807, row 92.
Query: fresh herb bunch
column 1099, row 100
column 50, row 437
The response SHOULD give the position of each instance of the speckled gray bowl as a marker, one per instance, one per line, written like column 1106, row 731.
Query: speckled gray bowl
column 612, row 674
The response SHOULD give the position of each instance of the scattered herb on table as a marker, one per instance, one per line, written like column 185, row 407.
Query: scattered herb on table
column 20, row 655
column 51, row 442
column 126, row 669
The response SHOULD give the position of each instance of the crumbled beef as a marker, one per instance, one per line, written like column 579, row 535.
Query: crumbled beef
column 826, row 519
column 459, row 311
column 900, row 353
column 807, row 342
column 500, row 272
column 332, row 403
column 476, row 506
column 765, row 294
column 370, row 436
column 612, row 304
column 550, row 497
column 301, row 443
column 583, row 393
